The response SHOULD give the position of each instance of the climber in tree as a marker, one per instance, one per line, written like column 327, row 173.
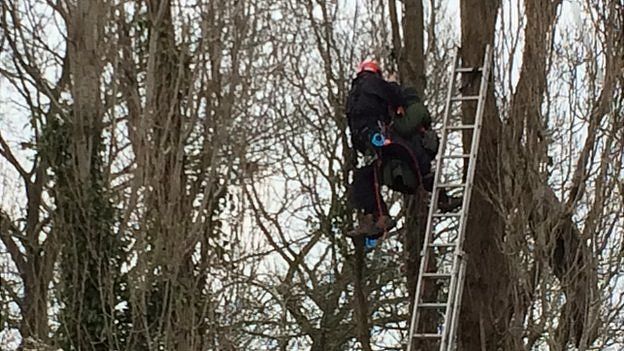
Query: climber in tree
column 371, row 104
column 391, row 127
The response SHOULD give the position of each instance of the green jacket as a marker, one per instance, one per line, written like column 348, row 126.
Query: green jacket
column 416, row 115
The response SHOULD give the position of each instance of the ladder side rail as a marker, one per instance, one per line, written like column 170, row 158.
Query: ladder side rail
column 433, row 206
column 459, row 254
column 450, row 302
column 474, row 151
column 457, row 303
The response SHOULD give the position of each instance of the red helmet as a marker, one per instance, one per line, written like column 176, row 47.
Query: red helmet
column 368, row 66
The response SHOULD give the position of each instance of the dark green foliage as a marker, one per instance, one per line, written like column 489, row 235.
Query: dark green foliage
column 92, row 254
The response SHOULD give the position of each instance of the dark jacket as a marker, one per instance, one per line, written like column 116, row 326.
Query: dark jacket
column 370, row 100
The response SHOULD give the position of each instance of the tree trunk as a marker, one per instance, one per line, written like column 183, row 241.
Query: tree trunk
column 39, row 262
column 361, row 297
column 488, row 305
column 412, row 58
column 484, row 311
column 83, row 211
column 412, row 68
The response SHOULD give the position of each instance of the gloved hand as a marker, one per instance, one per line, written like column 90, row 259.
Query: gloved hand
column 400, row 112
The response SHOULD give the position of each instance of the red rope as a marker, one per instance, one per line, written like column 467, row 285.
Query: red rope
column 377, row 187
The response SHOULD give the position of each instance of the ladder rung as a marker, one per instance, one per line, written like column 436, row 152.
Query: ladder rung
column 442, row 245
column 456, row 156
column 468, row 69
column 444, row 215
column 436, row 275
column 460, row 127
column 451, row 185
column 432, row 305
column 465, row 98
column 427, row 336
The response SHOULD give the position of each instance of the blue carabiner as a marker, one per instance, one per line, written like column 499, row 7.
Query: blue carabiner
column 378, row 139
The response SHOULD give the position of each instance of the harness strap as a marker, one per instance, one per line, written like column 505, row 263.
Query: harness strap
column 376, row 167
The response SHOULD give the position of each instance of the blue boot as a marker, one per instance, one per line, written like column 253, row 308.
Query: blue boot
column 370, row 243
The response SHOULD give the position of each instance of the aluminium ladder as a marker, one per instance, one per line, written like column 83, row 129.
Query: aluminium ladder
column 443, row 261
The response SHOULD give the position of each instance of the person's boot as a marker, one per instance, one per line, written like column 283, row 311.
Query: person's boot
column 448, row 203
column 366, row 226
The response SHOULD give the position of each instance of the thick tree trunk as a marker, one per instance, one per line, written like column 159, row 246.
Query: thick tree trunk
column 170, row 310
column 83, row 211
column 411, row 59
column 411, row 67
column 484, row 311
column 488, row 304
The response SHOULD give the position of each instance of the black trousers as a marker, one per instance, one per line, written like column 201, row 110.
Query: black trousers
column 366, row 194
